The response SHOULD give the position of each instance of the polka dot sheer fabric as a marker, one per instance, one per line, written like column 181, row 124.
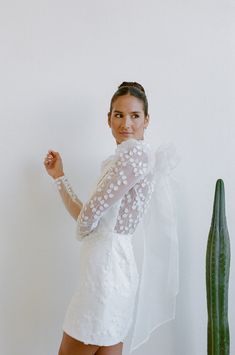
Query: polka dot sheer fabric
column 132, row 199
column 126, row 179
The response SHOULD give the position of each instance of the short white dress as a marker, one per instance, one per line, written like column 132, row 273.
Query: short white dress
column 102, row 309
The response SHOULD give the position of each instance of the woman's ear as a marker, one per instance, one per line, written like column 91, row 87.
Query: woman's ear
column 146, row 121
column 109, row 119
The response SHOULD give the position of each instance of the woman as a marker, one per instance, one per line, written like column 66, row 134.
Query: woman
column 101, row 312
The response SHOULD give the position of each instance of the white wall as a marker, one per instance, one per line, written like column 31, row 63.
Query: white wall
column 60, row 63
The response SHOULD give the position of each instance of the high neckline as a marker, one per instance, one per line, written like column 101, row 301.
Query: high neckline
column 130, row 143
column 129, row 140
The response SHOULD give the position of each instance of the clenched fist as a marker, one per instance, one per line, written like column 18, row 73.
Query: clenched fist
column 53, row 164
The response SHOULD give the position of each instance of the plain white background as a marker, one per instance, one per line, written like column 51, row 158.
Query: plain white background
column 60, row 63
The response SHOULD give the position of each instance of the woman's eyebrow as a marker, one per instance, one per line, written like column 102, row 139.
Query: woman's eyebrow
column 131, row 112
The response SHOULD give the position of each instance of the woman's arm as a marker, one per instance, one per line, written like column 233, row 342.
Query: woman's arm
column 130, row 166
column 70, row 199
column 54, row 167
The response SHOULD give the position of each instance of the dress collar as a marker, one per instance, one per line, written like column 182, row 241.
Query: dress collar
column 129, row 143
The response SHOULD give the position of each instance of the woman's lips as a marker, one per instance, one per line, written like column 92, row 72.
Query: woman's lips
column 125, row 133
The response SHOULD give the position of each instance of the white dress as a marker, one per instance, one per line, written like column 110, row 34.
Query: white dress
column 101, row 311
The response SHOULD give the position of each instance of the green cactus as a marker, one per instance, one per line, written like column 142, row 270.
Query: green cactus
column 217, row 277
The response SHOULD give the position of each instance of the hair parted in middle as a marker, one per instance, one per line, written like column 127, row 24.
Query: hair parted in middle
column 133, row 88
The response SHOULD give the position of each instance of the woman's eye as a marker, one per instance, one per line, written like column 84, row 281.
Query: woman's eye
column 117, row 115
column 135, row 116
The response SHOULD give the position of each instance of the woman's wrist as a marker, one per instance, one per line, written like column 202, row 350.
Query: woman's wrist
column 58, row 176
column 59, row 180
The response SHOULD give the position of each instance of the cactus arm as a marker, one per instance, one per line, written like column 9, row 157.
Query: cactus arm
column 217, row 277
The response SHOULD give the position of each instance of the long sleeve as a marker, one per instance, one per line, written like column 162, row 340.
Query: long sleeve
column 70, row 199
column 129, row 166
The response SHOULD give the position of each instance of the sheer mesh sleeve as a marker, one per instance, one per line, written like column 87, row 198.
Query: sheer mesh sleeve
column 70, row 199
column 129, row 166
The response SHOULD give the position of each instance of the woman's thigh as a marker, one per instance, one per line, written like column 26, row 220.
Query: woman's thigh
column 71, row 346
column 110, row 350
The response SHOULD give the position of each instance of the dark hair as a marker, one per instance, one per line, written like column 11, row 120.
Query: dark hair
column 134, row 89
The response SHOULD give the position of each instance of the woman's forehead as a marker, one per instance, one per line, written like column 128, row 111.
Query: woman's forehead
column 128, row 103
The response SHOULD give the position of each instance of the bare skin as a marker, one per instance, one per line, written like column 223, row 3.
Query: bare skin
column 53, row 164
column 110, row 350
column 71, row 346
column 126, row 120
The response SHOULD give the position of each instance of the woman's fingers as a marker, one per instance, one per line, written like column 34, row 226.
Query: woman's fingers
column 50, row 158
column 53, row 153
column 47, row 162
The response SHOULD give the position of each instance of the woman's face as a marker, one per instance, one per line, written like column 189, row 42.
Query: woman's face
column 127, row 119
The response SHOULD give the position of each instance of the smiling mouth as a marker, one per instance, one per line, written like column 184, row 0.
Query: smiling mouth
column 125, row 133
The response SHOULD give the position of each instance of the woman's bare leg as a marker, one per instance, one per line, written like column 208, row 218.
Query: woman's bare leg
column 110, row 350
column 71, row 346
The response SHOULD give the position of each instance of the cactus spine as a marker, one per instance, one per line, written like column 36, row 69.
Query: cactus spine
column 217, row 277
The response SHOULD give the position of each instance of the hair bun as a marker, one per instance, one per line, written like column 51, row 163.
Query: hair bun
column 132, row 84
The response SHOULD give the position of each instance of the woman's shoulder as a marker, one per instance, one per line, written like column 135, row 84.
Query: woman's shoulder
column 135, row 152
column 128, row 150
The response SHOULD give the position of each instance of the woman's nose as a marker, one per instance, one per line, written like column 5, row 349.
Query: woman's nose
column 126, row 121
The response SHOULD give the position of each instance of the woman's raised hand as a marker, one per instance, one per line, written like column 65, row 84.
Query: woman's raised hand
column 53, row 164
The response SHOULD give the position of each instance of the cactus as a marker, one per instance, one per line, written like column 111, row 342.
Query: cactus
column 217, row 277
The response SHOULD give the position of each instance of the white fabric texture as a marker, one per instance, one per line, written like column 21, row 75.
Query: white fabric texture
column 128, row 178
column 132, row 196
column 159, row 281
